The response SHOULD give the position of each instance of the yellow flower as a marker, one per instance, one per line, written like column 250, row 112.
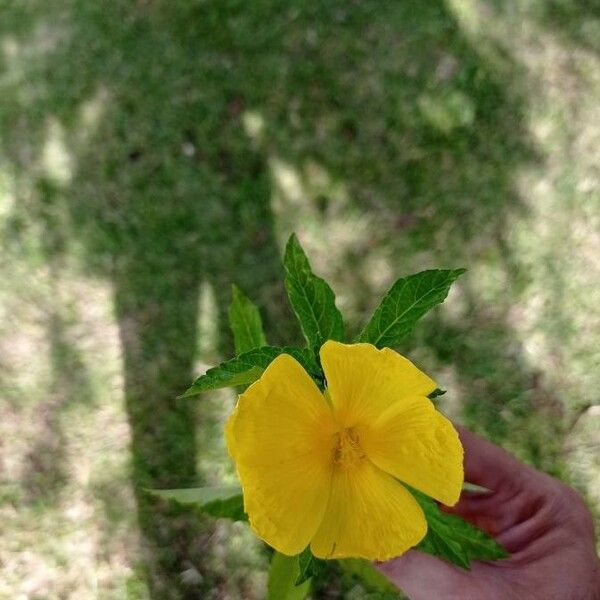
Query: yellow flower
column 325, row 468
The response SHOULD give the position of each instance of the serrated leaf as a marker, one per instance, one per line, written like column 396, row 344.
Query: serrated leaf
column 245, row 322
column 312, row 300
column 220, row 502
column 454, row 539
column 247, row 368
column 405, row 303
column 283, row 573
column 477, row 544
column 308, row 566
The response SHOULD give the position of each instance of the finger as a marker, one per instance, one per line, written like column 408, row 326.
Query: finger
column 489, row 517
column 422, row 576
column 486, row 464
column 514, row 487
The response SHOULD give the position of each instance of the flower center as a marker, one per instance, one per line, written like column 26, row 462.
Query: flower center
column 347, row 451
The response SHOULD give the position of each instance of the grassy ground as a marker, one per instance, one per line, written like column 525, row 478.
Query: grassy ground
column 152, row 152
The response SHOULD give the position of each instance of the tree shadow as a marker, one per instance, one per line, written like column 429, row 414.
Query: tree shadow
column 165, row 188
column 44, row 475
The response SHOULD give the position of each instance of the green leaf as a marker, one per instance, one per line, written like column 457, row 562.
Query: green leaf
column 453, row 538
column 245, row 322
column 220, row 502
column 367, row 573
column 308, row 565
column 247, row 368
column 405, row 303
column 436, row 393
column 311, row 298
column 283, row 573
column 473, row 487
column 227, row 508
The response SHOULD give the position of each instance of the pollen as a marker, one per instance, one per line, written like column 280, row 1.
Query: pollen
column 347, row 451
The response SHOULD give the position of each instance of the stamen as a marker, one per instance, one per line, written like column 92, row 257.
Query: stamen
column 347, row 450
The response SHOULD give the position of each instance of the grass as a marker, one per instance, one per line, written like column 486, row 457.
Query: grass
column 153, row 152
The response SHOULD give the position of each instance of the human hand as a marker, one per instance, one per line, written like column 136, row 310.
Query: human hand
column 544, row 524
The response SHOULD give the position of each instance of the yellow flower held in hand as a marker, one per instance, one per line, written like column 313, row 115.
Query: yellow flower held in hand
column 325, row 468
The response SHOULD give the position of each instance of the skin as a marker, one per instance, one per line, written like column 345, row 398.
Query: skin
column 544, row 524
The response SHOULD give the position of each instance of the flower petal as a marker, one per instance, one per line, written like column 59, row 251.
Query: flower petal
column 369, row 515
column 281, row 437
column 363, row 381
column 417, row 444
column 286, row 502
